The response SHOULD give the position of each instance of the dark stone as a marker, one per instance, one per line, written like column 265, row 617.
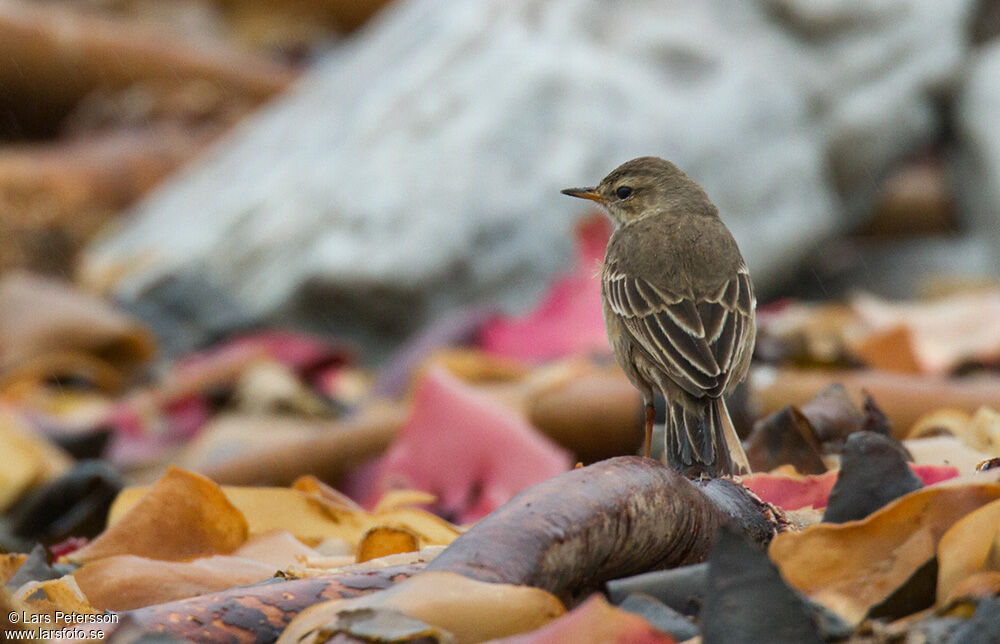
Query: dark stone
column 983, row 627
column 661, row 616
column 876, row 420
column 747, row 601
column 174, row 302
column 9, row 542
column 873, row 472
column 84, row 445
column 682, row 589
column 76, row 504
column 984, row 23
column 37, row 568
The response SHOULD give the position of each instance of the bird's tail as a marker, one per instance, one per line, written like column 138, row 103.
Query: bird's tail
column 701, row 440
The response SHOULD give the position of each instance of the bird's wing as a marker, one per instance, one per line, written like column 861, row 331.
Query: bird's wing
column 694, row 341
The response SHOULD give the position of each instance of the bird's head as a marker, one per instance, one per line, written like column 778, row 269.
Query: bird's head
column 643, row 187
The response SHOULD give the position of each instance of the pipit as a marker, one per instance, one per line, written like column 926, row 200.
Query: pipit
column 678, row 307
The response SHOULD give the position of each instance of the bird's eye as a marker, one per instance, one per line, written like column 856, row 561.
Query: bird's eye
column 623, row 192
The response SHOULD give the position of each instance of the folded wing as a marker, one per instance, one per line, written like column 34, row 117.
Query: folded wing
column 694, row 342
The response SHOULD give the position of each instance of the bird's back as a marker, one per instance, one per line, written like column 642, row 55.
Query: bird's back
column 670, row 252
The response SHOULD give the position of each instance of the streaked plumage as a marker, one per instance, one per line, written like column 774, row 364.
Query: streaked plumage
column 679, row 308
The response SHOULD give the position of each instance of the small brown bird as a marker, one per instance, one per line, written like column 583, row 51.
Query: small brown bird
column 678, row 307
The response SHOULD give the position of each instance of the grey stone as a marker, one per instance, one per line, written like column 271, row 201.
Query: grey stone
column 895, row 269
column 976, row 164
column 660, row 616
column 417, row 168
column 877, row 71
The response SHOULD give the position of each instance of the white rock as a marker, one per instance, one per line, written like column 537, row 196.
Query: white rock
column 418, row 168
column 977, row 163
column 876, row 73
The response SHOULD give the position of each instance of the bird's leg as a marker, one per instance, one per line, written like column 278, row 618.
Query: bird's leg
column 650, row 418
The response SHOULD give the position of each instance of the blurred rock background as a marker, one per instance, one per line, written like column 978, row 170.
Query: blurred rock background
column 359, row 170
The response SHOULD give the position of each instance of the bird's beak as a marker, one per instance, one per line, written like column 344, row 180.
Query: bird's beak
column 584, row 193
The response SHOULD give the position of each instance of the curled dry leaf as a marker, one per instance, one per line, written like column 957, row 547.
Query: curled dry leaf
column 472, row 611
column 893, row 348
column 318, row 566
column 594, row 621
column 853, row 567
column 832, row 414
column 988, row 464
column 10, row 562
column 182, row 516
column 478, row 367
column 49, row 330
column 945, row 451
column 11, row 628
column 125, row 582
column 240, row 449
column 978, row 584
column 490, row 451
column 334, row 498
column 382, row 541
column 58, row 598
column 785, row 438
column 936, row 335
column 323, row 566
column 398, row 499
column 800, row 435
column 312, row 516
column 592, row 410
column 903, row 397
column 29, row 459
column 804, row 333
column 979, row 431
column 970, row 546
column 380, row 625
column 792, row 491
column 568, row 320
column 278, row 549
column 269, row 386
